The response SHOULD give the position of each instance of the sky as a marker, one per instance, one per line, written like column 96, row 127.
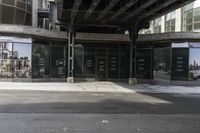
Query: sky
column 24, row 50
column 197, row 3
column 194, row 55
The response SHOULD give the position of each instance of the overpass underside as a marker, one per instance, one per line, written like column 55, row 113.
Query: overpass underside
column 110, row 16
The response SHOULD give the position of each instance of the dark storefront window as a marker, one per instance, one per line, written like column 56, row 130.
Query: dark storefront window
column 124, row 63
column 113, row 63
column 78, row 61
column 161, row 67
column 58, row 62
column 180, row 63
column 143, row 61
column 22, row 60
column 102, row 61
column 40, row 59
column 5, row 60
column 89, row 63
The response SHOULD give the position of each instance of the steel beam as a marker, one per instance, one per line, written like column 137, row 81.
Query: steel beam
column 157, row 8
column 107, row 9
column 136, row 11
column 75, row 8
column 123, row 9
column 71, row 40
column 91, row 8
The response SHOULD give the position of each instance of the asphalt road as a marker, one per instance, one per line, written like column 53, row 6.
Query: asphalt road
column 76, row 112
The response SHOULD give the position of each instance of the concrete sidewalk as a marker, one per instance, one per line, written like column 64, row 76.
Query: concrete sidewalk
column 61, row 86
column 119, row 87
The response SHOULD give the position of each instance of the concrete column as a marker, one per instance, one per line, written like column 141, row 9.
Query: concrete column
column 35, row 13
column 71, row 40
column 53, row 15
column 151, row 27
column 133, row 33
column 179, row 22
column 162, row 24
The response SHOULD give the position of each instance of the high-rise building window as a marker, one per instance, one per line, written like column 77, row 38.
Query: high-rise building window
column 192, row 17
column 44, row 4
column 157, row 25
column 170, row 22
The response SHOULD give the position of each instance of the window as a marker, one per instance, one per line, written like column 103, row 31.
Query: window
column 192, row 20
column 170, row 21
column 157, row 25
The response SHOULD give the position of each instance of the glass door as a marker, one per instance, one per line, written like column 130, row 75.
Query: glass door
column 162, row 64
column 57, row 61
column 101, row 68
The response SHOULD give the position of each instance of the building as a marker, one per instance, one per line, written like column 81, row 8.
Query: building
column 63, row 40
column 184, row 19
column 174, row 40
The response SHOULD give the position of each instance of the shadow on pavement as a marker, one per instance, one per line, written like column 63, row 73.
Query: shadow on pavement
column 108, row 106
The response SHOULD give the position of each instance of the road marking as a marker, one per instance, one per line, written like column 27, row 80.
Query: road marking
column 105, row 121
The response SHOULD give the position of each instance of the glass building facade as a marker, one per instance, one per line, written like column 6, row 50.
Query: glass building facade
column 178, row 61
column 175, row 58
column 29, row 59
column 16, row 12
column 15, row 58
column 192, row 18
column 185, row 19
column 36, row 59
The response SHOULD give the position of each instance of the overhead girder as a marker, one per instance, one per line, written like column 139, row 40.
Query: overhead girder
column 147, row 9
column 92, row 7
column 107, row 9
column 75, row 8
column 139, row 9
column 123, row 9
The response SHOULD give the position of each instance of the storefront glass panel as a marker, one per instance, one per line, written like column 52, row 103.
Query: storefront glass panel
column 143, row 63
column 58, row 62
column 5, row 60
column 113, row 64
column 161, row 67
column 194, row 64
column 124, row 63
column 102, row 61
column 22, row 60
column 40, row 59
column 180, row 64
column 78, row 62
column 89, row 63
